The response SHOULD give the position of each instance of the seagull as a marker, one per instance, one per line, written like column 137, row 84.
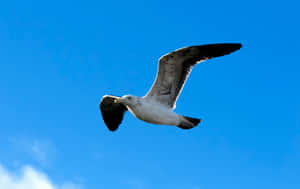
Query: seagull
column 157, row 105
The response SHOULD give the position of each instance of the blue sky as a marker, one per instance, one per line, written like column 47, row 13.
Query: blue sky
column 58, row 58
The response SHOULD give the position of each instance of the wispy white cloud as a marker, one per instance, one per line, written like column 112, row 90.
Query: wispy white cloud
column 30, row 178
column 42, row 151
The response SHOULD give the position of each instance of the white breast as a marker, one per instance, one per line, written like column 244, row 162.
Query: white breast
column 153, row 112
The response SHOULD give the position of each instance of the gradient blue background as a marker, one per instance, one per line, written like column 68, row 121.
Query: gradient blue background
column 58, row 58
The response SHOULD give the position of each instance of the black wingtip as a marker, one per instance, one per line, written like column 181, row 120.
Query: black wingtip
column 218, row 49
column 227, row 47
column 112, row 112
column 232, row 47
column 235, row 46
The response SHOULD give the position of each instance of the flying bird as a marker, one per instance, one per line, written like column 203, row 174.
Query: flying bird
column 157, row 105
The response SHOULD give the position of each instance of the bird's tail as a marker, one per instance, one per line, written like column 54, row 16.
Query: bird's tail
column 188, row 122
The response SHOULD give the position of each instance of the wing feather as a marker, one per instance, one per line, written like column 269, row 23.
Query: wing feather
column 175, row 67
column 112, row 112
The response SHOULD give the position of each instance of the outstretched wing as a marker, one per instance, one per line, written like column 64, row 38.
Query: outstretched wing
column 112, row 112
column 174, row 68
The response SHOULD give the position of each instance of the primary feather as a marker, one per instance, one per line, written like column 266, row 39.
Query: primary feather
column 112, row 112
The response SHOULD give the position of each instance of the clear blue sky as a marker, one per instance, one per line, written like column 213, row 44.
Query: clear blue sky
column 58, row 58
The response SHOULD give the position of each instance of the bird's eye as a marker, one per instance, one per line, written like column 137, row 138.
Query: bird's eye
column 129, row 98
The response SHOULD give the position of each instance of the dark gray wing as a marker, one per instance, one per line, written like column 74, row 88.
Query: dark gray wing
column 174, row 68
column 112, row 112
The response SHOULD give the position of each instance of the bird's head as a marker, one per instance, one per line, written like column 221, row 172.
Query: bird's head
column 127, row 100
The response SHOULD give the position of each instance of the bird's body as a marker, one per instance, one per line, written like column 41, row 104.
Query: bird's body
column 157, row 105
column 152, row 112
